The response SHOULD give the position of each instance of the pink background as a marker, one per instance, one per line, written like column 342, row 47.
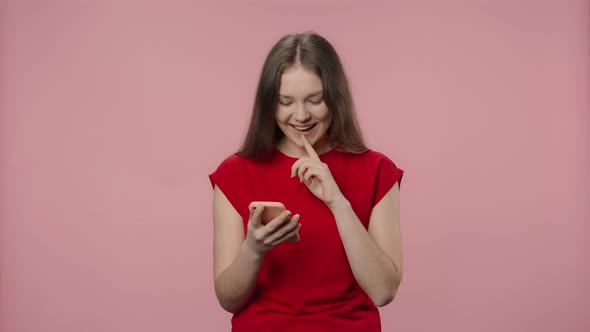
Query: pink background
column 113, row 113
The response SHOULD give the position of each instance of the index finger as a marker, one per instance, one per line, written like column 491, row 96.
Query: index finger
column 278, row 221
column 309, row 148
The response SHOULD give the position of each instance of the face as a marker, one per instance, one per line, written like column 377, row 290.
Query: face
column 301, row 110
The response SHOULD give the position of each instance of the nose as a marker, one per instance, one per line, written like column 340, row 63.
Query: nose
column 301, row 114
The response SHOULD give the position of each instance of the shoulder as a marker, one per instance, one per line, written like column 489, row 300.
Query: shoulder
column 373, row 163
column 232, row 160
column 369, row 156
column 237, row 164
column 376, row 155
column 227, row 167
column 227, row 171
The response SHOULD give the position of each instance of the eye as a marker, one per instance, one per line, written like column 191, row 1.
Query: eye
column 319, row 101
column 285, row 103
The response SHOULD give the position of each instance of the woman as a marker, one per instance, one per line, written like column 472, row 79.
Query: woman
column 304, row 149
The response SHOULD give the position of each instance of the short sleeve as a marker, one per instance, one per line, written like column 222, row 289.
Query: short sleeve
column 387, row 175
column 225, row 178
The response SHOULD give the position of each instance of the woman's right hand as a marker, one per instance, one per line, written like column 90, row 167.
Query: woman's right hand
column 261, row 238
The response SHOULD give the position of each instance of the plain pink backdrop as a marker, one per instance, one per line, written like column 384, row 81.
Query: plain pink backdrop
column 113, row 113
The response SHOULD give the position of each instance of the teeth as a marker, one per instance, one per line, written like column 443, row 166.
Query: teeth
column 302, row 128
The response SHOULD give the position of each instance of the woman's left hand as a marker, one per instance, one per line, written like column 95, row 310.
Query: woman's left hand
column 316, row 176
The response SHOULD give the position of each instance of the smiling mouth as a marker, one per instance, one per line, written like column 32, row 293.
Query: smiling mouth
column 304, row 128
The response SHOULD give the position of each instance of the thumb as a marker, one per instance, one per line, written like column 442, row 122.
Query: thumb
column 255, row 214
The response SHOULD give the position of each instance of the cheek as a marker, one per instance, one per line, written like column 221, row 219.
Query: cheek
column 325, row 115
column 280, row 116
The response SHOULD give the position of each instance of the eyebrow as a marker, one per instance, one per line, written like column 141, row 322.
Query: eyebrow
column 310, row 95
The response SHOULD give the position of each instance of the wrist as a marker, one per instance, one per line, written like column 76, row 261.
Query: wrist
column 339, row 203
column 251, row 252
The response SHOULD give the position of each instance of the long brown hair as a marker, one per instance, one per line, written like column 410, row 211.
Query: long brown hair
column 316, row 54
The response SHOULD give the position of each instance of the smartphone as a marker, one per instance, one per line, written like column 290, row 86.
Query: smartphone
column 271, row 210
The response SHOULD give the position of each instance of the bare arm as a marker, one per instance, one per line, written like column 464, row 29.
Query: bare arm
column 236, row 266
column 237, row 261
column 375, row 256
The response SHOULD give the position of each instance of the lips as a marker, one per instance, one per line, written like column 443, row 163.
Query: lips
column 304, row 128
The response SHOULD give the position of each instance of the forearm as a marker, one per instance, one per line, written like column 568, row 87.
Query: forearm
column 236, row 284
column 375, row 272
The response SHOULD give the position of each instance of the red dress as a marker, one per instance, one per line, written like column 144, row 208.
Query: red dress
column 308, row 285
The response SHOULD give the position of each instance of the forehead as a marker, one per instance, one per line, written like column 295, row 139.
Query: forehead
column 298, row 81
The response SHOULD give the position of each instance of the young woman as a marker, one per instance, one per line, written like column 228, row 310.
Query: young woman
column 335, row 254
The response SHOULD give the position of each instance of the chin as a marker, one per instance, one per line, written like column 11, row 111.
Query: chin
column 299, row 142
column 311, row 141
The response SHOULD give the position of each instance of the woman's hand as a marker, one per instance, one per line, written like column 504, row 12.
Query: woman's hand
column 261, row 238
column 317, row 176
